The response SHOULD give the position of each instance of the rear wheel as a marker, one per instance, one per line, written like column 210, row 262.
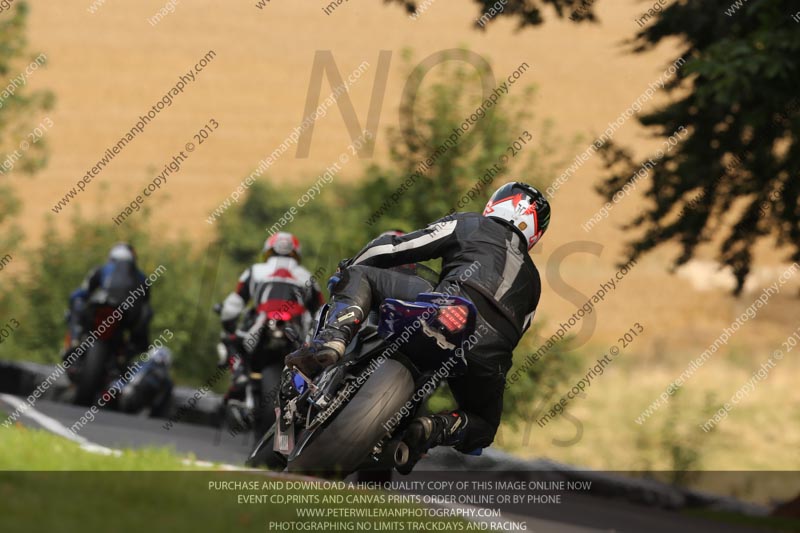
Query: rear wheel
column 263, row 454
column 90, row 379
column 265, row 411
column 348, row 440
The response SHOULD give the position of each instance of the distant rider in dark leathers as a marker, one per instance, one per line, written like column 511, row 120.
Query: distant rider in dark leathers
column 113, row 283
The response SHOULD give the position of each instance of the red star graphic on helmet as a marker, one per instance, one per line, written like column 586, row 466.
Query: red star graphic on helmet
column 514, row 201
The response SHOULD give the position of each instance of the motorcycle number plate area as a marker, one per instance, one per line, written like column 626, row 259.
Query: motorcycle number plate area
column 284, row 440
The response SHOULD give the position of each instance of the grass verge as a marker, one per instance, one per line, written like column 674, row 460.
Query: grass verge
column 26, row 449
column 50, row 484
column 768, row 523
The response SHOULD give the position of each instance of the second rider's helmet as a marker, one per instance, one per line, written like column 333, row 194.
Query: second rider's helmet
column 122, row 252
column 282, row 243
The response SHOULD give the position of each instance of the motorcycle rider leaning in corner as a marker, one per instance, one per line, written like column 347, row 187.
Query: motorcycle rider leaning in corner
column 505, row 290
column 113, row 282
column 279, row 286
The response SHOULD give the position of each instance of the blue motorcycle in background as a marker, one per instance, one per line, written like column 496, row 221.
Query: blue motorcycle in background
column 353, row 415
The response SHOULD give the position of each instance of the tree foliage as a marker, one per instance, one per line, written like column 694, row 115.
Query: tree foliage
column 19, row 106
column 15, row 121
column 734, row 180
column 525, row 12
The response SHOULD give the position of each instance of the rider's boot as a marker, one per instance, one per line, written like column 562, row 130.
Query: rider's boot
column 426, row 432
column 237, row 391
column 344, row 320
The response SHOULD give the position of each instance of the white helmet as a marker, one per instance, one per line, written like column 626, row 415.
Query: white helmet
column 122, row 252
column 521, row 206
column 281, row 243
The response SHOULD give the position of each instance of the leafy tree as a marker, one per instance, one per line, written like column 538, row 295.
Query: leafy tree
column 10, row 235
column 15, row 121
column 15, row 111
column 18, row 104
column 733, row 181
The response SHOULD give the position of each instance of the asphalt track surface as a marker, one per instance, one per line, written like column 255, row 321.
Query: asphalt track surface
column 579, row 513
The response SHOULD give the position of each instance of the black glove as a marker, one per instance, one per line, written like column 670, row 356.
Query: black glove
column 336, row 277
